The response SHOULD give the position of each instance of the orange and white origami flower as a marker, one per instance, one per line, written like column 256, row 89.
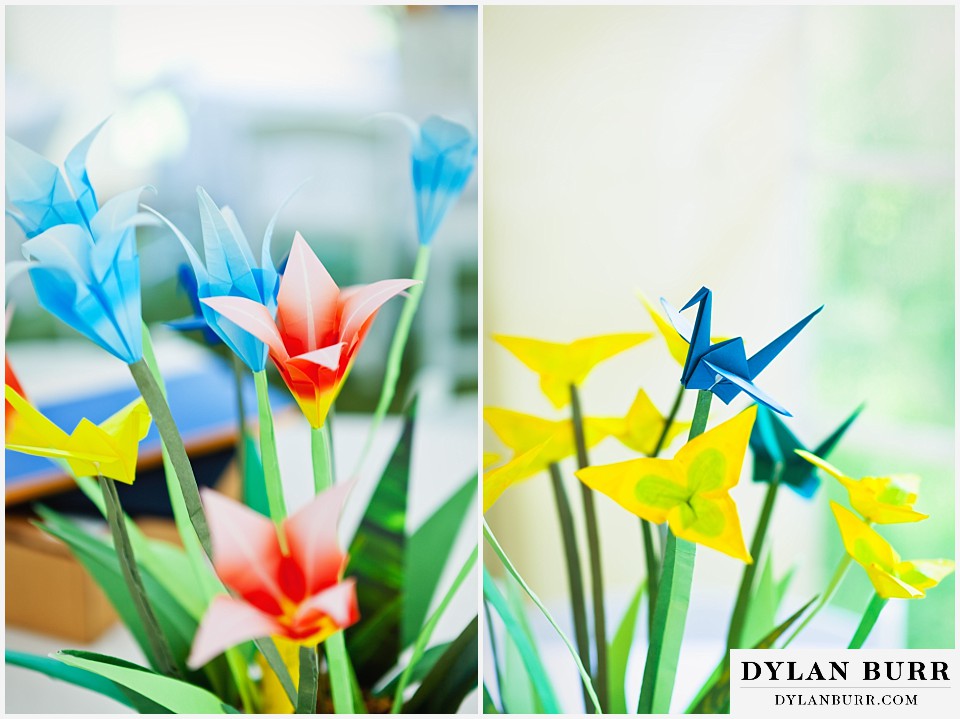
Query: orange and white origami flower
column 292, row 589
column 318, row 328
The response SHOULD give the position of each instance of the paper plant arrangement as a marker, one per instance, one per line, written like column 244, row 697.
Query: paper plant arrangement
column 684, row 505
column 263, row 609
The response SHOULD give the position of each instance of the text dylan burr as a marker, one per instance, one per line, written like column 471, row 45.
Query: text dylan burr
column 839, row 671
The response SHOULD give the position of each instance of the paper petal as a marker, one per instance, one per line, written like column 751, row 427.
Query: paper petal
column 227, row 623
column 312, row 538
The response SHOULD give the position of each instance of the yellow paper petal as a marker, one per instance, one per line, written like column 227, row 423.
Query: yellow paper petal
column 923, row 574
column 713, row 460
column 640, row 429
column 677, row 346
column 822, row 464
column 649, row 488
column 490, row 458
column 862, row 542
column 497, row 481
column 121, row 462
column 888, row 586
column 522, row 432
column 31, row 429
column 712, row 522
column 560, row 365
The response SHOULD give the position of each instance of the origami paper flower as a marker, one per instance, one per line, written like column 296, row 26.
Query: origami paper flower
column 723, row 368
column 10, row 377
column 318, row 329
column 772, row 442
column 523, row 432
column 690, row 492
column 641, row 427
column 108, row 449
column 298, row 594
column 561, row 365
column 676, row 345
column 443, row 157
column 891, row 577
column 522, row 466
column 231, row 270
column 86, row 270
column 882, row 500
column 195, row 322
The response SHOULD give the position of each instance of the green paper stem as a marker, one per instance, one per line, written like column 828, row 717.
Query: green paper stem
column 646, row 529
column 268, row 454
column 131, row 575
column 341, row 674
column 574, row 573
column 870, row 616
column 825, row 598
column 173, row 442
column 672, row 603
column 593, row 548
column 420, row 646
column 508, row 565
column 205, row 578
column 309, row 674
column 739, row 618
column 321, row 455
column 395, row 355
column 272, row 656
column 238, row 372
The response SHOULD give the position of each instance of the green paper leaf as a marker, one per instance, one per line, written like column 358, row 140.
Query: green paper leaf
column 377, row 564
column 488, row 706
column 177, row 696
column 764, row 603
column 528, row 653
column 85, row 679
column 517, row 693
column 341, row 674
column 99, row 559
column 449, row 680
column 420, row 670
column 714, row 696
column 620, row 653
column 428, row 550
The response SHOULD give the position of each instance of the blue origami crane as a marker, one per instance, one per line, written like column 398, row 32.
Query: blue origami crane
column 444, row 155
column 723, row 368
column 772, row 442
column 230, row 270
column 82, row 258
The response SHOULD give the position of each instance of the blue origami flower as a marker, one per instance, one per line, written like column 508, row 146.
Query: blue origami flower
column 444, row 155
column 723, row 368
column 82, row 258
column 231, row 270
column 772, row 442
column 187, row 282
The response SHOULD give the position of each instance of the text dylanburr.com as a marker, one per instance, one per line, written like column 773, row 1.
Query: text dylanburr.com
column 864, row 682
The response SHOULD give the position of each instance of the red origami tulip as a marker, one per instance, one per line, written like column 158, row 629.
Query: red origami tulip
column 318, row 328
column 297, row 594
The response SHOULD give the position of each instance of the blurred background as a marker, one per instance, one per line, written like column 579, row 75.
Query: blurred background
column 785, row 157
column 248, row 102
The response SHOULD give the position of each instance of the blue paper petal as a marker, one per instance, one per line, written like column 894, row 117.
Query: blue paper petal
column 37, row 189
column 75, row 168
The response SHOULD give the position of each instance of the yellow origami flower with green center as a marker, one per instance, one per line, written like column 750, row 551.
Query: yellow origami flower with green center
column 536, row 443
column 881, row 500
column 690, row 492
column 891, row 577
column 561, row 365
column 677, row 346
column 640, row 428
column 108, row 449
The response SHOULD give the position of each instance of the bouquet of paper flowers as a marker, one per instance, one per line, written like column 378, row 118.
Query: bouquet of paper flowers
column 682, row 503
column 259, row 611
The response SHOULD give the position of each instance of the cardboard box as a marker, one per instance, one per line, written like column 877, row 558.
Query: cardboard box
column 50, row 592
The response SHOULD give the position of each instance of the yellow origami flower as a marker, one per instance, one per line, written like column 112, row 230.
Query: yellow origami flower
column 690, row 492
column 109, row 449
column 881, row 500
column 640, row 429
column 677, row 346
column 536, row 443
column 891, row 577
column 561, row 365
